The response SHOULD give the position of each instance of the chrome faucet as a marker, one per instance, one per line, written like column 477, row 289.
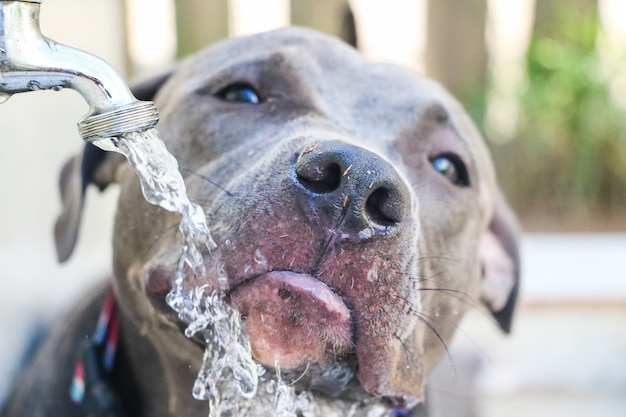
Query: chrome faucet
column 30, row 62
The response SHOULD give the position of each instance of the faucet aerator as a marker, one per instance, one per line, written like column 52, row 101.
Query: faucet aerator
column 31, row 62
column 134, row 117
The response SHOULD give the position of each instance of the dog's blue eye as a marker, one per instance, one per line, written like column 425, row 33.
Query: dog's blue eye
column 453, row 168
column 239, row 93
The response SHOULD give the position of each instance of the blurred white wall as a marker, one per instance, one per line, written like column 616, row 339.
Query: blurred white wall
column 508, row 33
column 392, row 30
column 613, row 46
column 252, row 16
column 151, row 32
column 565, row 356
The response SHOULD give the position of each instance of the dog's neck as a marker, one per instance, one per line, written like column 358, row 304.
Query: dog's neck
column 165, row 365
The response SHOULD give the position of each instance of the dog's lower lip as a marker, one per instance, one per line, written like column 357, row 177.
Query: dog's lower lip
column 305, row 283
column 293, row 319
column 315, row 288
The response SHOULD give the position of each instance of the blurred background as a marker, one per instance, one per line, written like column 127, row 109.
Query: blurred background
column 544, row 80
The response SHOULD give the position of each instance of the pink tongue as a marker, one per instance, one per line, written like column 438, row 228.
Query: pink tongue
column 293, row 319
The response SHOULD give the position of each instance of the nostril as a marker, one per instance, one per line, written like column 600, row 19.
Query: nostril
column 349, row 188
column 383, row 208
column 320, row 178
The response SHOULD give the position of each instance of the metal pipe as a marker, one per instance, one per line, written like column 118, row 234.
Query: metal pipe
column 30, row 62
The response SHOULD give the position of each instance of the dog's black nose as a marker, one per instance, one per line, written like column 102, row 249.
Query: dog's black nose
column 352, row 188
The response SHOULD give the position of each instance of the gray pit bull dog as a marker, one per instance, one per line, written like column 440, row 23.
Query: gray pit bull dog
column 364, row 188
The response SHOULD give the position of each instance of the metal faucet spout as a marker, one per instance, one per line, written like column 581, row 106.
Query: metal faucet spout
column 30, row 62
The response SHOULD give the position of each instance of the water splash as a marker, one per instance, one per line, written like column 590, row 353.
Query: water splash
column 228, row 369
column 285, row 396
column 230, row 357
column 287, row 402
column 163, row 185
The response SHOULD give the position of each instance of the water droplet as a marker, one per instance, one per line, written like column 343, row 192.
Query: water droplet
column 366, row 233
column 270, row 388
column 201, row 387
column 304, row 403
column 222, row 277
column 372, row 274
column 259, row 258
column 285, row 397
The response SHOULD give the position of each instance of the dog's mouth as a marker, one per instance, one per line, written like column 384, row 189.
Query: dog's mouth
column 293, row 319
column 332, row 335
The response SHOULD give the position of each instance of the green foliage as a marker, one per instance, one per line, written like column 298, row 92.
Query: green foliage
column 569, row 157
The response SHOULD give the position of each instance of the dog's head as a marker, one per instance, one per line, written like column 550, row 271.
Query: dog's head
column 354, row 206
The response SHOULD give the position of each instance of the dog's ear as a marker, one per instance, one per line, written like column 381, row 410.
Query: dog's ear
column 499, row 255
column 93, row 166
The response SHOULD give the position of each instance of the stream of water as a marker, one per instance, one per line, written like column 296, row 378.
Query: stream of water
column 228, row 369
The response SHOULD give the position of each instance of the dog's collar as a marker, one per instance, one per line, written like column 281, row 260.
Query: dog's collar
column 93, row 388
